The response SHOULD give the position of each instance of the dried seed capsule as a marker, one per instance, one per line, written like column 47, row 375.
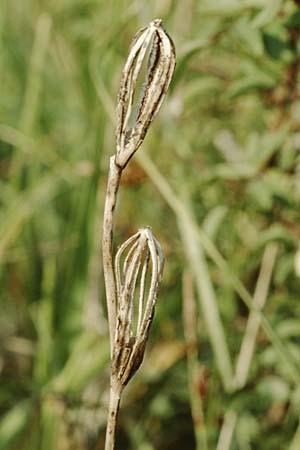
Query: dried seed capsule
column 139, row 259
column 161, row 64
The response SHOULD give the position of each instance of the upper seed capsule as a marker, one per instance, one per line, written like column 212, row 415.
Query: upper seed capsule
column 161, row 64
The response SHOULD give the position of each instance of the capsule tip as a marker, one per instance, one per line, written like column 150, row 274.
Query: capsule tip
column 156, row 23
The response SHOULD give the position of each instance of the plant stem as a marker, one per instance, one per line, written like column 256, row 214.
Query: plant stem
column 207, row 298
column 246, row 352
column 259, row 299
column 112, row 416
column 193, row 367
column 113, row 183
column 225, row 437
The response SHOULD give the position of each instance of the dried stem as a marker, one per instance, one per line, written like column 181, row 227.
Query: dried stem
column 112, row 416
column 113, row 183
column 140, row 258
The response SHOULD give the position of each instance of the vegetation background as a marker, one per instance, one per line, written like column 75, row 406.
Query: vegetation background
column 217, row 179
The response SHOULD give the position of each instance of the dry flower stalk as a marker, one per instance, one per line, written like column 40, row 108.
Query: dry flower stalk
column 139, row 261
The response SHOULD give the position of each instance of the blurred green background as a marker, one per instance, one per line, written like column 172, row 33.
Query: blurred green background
column 217, row 178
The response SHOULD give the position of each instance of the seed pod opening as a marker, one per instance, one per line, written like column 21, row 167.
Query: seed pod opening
column 138, row 268
column 152, row 42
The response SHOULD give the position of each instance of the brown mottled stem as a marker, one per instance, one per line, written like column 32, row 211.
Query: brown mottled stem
column 112, row 417
column 113, row 182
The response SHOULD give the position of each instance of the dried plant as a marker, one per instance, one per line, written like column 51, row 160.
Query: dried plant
column 138, row 267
